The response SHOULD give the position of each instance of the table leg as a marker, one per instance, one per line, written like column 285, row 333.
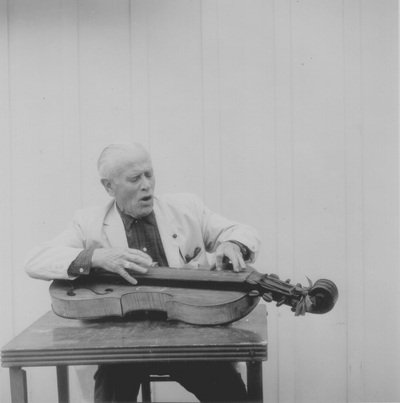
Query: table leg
column 63, row 383
column 146, row 391
column 19, row 392
column 255, row 381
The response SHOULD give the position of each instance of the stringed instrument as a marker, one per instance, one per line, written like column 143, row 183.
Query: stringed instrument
column 195, row 296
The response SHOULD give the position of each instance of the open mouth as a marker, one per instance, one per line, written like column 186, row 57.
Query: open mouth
column 146, row 198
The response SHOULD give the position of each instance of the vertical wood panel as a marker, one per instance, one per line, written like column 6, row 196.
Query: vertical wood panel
column 105, row 85
column 380, row 199
column 37, row 140
column 211, row 105
column 285, row 347
column 140, row 74
column 72, row 158
column 284, row 134
column 175, row 95
column 354, row 201
column 247, row 109
column 319, row 191
column 6, row 309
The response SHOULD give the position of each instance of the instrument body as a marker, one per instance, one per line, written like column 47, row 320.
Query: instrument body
column 201, row 296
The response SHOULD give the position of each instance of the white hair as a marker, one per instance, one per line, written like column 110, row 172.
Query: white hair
column 108, row 163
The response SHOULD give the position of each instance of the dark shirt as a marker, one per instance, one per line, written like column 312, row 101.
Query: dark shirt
column 142, row 233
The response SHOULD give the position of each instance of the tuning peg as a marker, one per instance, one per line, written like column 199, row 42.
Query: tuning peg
column 281, row 301
column 287, row 281
column 265, row 288
column 294, row 307
column 254, row 293
column 274, row 276
column 298, row 287
column 267, row 297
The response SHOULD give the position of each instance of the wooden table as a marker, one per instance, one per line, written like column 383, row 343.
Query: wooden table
column 59, row 342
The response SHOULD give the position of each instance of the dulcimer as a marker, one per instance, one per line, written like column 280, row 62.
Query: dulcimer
column 196, row 296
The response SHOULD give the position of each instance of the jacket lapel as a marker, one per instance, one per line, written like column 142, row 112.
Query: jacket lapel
column 114, row 228
column 168, row 232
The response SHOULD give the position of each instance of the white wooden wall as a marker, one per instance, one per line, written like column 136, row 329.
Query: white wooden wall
column 279, row 113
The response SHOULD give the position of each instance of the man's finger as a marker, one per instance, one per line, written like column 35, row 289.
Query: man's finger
column 219, row 261
column 234, row 260
column 135, row 267
column 145, row 260
column 232, row 255
column 242, row 263
column 138, row 252
column 239, row 262
column 126, row 276
column 138, row 260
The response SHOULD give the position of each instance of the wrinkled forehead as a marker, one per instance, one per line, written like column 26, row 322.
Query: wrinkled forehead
column 137, row 160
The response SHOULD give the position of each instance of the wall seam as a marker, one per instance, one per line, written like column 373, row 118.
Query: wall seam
column 362, row 183
column 221, row 203
column 276, row 179
column 292, row 168
column 11, row 165
column 202, row 101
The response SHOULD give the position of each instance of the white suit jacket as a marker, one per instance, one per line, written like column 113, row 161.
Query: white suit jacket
column 184, row 223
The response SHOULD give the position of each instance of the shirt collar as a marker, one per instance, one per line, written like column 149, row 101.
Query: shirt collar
column 128, row 220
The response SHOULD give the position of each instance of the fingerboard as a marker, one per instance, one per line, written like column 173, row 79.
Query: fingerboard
column 202, row 278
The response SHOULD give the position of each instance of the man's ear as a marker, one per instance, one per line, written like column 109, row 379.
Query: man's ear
column 108, row 185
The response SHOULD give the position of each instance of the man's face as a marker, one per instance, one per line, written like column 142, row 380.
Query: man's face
column 133, row 184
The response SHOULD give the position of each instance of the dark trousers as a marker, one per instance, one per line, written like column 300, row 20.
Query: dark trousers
column 208, row 381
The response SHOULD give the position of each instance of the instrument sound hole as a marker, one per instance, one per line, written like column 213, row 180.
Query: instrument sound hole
column 71, row 292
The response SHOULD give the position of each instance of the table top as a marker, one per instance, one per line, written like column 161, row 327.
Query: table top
column 53, row 340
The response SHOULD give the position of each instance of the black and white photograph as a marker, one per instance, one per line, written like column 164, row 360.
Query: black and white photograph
column 200, row 201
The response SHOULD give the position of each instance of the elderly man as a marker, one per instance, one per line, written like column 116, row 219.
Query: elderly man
column 137, row 230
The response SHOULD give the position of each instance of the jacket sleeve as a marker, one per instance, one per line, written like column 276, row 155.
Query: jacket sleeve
column 217, row 229
column 51, row 260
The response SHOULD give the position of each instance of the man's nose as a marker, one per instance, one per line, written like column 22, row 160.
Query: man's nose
column 145, row 182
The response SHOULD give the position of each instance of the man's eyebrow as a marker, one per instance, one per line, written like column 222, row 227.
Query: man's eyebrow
column 138, row 173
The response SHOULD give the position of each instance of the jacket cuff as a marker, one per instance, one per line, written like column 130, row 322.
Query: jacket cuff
column 82, row 263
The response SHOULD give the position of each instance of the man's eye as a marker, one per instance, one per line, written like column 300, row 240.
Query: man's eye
column 149, row 174
column 134, row 179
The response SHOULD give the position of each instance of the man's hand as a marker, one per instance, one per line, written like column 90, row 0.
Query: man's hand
column 232, row 252
column 116, row 260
